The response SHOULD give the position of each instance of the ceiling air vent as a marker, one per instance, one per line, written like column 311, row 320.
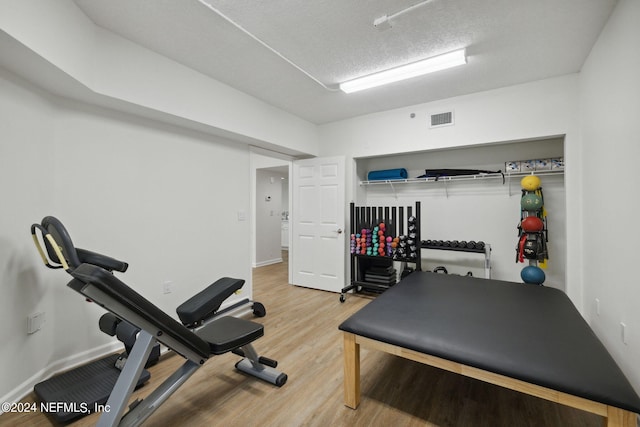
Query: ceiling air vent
column 441, row 119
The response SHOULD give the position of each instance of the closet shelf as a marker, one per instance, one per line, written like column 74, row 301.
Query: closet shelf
column 480, row 176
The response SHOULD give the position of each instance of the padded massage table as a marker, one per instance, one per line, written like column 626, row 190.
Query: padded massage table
column 527, row 338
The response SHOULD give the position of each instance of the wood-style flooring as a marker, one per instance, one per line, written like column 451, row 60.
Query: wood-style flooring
column 301, row 332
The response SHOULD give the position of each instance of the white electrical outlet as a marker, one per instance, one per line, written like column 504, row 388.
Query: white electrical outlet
column 34, row 322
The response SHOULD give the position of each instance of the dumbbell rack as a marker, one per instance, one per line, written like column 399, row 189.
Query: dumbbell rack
column 486, row 251
column 396, row 220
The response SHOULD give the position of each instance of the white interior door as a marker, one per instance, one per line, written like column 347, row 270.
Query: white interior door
column 318, row 220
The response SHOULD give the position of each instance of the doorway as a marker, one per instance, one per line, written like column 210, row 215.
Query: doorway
column 271, row 215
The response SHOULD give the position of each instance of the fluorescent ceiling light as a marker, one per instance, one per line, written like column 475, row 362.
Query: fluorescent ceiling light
column 429, row 65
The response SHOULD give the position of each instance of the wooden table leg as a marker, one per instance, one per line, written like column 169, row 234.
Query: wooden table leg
column 617, row 417
column 351, row 371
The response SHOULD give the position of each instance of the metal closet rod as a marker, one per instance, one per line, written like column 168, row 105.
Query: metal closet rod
column 458, row 177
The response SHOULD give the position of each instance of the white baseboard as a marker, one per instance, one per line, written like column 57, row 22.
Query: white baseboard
column 268, row 262
column 58, row 366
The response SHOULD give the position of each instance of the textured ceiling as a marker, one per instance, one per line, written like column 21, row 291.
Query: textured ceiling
column 508, row 42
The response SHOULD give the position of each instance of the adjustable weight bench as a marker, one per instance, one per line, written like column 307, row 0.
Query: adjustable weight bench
column 212, row 333
column 89, row 385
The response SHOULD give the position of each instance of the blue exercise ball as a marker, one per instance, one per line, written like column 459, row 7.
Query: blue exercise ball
column 533, row 275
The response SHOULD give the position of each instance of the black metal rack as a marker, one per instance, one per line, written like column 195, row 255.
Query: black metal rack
column 396, row 219
column 485, row 250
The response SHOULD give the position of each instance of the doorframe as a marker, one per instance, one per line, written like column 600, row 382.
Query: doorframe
column 260, row 158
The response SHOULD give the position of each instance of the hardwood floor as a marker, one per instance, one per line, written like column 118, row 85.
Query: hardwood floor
column 301, row 332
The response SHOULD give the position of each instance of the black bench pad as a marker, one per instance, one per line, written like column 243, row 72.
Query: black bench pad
column 531, row 333
column 228, row 333
column 205, row 303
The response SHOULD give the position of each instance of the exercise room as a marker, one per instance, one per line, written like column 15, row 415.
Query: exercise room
column 392, row 212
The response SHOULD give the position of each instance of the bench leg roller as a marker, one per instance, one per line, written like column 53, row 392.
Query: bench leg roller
column 261, row 359
column 265, row 373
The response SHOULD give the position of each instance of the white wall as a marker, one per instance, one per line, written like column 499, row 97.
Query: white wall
column 26, row 180
column 536, row 110
column 609, row 108
column 162, row 198
column 112, row 70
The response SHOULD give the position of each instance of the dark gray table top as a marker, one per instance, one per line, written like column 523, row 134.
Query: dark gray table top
column 527, row 332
